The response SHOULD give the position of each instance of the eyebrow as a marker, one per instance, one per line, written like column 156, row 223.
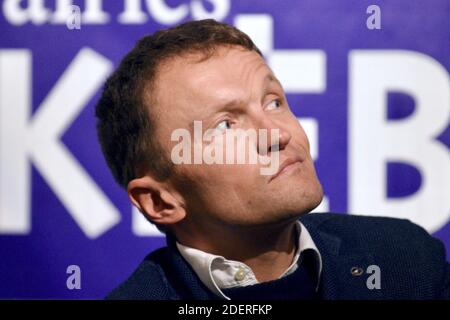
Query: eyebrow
column 271, row 78
column 235, row 102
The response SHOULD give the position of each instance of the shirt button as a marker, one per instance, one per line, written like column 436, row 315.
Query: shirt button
column 240, row 274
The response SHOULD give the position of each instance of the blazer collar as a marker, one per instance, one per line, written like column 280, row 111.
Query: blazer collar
column 337, row 279
column 339, row 260
column 183, row 277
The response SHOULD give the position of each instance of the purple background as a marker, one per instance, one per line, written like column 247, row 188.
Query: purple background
column 34, row 265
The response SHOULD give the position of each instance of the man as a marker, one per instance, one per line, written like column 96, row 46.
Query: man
column 233, row 232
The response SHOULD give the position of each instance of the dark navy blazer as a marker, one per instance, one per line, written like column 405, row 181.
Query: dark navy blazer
column 412, row 263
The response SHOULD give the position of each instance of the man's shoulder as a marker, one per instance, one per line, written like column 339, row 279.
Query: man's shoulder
column 147, row 282
column 366, row 230
column 346, row 219
column 413, row 263
column 391, row 239
column 349, row 220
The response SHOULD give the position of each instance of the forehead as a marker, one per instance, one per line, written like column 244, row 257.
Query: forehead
column 185, row 87
column 190, row 71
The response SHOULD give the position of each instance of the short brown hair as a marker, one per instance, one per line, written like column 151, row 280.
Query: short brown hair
column 124, row 123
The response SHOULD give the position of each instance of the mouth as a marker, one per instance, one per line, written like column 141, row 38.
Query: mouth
column 288, row 165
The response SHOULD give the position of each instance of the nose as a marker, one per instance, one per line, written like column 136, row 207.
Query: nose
column 273, row 137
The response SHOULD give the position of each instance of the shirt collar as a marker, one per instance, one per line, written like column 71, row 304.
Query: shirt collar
column 217, row 272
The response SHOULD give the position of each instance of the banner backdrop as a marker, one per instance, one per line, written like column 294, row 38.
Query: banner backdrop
column 369, row 81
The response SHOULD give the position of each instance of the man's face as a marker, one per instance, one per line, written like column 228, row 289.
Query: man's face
column 234, row 89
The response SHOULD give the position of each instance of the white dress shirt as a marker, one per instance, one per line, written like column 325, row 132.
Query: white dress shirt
column 218, row 273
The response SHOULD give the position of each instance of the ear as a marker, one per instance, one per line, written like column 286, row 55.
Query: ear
column 158, row 203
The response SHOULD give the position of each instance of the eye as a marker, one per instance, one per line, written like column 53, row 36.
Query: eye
column 223, row 125
column 275, row 104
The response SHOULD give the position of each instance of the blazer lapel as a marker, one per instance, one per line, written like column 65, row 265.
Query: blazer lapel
column 344, row 270
column 182, row 277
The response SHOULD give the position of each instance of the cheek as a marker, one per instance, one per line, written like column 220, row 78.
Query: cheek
column 217, row 188
column 204, row 177
column 228, row 176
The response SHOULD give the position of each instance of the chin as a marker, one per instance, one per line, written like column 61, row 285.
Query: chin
column 317, row 197
column 310, row 199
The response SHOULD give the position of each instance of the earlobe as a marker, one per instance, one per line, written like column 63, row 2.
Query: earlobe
column 157, row 203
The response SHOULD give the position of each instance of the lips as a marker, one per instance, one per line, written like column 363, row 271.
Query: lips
column 285, row 165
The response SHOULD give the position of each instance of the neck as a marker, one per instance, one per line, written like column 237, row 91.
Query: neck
column 267, row 250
